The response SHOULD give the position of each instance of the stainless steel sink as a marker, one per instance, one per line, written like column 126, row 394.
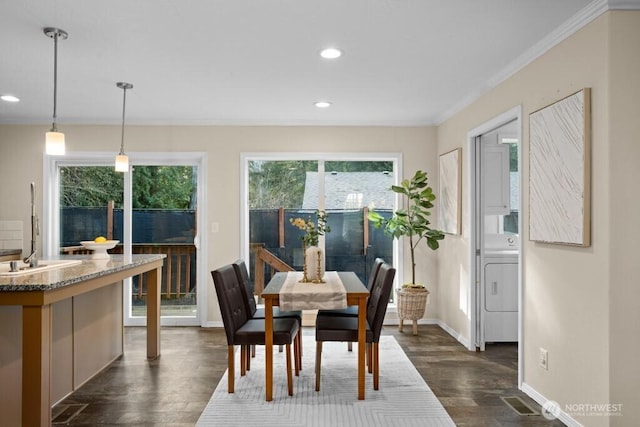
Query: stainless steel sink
column 43, row 265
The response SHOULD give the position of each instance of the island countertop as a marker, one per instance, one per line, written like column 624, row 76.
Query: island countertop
column 87, row 269
column 91, row 326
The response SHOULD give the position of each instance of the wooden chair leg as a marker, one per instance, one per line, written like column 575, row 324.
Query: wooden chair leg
column 318, row 359
column 369, row 357
column 248, row 357
column 415, row 327
column 230, row 368
column 253, row 351
column 279, row 349
column 349, row 346
column 376, row 364
column 243, row 360
column 296, row 355
column 289, row 376
column 300, row 349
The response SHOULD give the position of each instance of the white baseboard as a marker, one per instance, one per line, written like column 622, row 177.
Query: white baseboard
column 541, row 400
column 213, row 324
column 457, row 336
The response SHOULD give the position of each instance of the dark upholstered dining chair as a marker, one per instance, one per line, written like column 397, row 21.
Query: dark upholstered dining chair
column 345, row 328
column 352, row 311
column 258, row 313
column 244, row 331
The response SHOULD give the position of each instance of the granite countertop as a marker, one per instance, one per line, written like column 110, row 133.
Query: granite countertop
column 64, row 276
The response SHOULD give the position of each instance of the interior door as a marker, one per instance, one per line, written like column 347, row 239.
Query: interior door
column 497, row 235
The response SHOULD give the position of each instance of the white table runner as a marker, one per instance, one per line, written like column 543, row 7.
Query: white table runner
column 330, row 295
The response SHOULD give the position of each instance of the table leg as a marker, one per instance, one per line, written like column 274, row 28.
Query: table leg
column 362, row 330
column 268, row 347
column 154, row 281
column 36, row 365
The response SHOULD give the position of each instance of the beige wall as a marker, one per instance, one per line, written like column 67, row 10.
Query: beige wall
column 624, row 165
column 22, row 158
column 576, row 300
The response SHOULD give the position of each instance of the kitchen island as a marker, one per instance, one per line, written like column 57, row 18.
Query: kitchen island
column 55, row 323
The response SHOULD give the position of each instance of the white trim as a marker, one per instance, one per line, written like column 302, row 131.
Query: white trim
column 459, row 337
column 507, row 116
column 541, row 400
column 568, row 28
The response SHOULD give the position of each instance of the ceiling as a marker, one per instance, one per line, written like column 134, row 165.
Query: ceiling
column 256, row 62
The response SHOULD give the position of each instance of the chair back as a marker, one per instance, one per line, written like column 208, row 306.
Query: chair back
column 232, row 301
column 379, row 299
column 243, row 276
column 374, row 273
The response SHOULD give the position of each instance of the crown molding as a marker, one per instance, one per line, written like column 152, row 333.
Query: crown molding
column 568, row 28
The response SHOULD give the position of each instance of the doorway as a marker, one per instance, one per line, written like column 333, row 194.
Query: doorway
column 495, row 159
column 152, row 209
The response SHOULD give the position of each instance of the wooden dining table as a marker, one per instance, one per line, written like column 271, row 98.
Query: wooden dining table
column 357, row 294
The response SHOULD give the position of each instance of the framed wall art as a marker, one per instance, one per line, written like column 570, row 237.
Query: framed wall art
column 560, row 171
column 450, row 191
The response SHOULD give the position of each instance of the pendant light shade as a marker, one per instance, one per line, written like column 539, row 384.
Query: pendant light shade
column 55, row 143
column 54, row 140
column 122, row 160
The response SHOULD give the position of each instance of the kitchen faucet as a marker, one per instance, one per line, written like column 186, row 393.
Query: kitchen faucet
column 32, row 259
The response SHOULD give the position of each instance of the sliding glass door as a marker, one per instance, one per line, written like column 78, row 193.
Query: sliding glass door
column 152, row 209
column 278, row 188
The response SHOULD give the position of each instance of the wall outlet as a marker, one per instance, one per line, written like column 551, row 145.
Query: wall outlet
column 543, row 359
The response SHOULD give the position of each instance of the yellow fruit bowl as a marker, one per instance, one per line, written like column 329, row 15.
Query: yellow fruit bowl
column 99, row 248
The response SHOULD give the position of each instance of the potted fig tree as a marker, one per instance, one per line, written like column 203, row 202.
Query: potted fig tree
column 412, row 221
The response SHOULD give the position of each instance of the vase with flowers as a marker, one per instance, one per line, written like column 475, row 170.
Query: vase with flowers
column 313, row 256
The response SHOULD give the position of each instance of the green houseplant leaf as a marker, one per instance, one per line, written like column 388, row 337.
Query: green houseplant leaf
column 412, row 221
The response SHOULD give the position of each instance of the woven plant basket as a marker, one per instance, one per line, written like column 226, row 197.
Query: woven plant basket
column 412, row 303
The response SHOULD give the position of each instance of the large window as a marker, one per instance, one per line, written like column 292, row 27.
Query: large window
column 279, row 189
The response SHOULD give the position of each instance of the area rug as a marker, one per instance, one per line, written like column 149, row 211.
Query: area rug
column 404, row 399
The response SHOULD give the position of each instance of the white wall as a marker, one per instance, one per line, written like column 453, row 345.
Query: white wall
column 21, row 160
column 572, row 296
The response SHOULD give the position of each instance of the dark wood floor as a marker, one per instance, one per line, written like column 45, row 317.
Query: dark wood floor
column 174, row 390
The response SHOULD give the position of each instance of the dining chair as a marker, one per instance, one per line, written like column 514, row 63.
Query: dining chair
column 242, row 272
column 345, row 328
column 352, row 311
column 244, row 331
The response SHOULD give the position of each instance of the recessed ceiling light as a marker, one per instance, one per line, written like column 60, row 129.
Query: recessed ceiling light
column 323, row 104
column 10, row 98
column 331, row 53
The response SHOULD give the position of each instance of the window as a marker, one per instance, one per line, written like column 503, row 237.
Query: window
column 279, row 188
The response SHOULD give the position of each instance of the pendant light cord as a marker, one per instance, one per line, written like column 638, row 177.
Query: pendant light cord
column 55, row 80
column 124, row 103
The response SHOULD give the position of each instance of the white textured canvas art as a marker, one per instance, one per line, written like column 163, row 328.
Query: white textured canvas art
column 449, row 197
column 559, row 176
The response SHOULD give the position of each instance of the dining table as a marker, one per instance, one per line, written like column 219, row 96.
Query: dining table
column 275, row 292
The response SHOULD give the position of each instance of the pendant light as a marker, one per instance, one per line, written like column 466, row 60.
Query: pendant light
column 54, row 140
column 122, row 160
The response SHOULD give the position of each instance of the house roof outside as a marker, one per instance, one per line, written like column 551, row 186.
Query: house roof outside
column 350, row 190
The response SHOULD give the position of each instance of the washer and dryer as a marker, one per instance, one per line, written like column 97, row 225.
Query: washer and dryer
column 500, row 296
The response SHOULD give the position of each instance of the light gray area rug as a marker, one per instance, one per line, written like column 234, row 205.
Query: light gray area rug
column 404, row 399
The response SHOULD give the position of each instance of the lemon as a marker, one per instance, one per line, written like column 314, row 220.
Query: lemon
column 100, row 239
